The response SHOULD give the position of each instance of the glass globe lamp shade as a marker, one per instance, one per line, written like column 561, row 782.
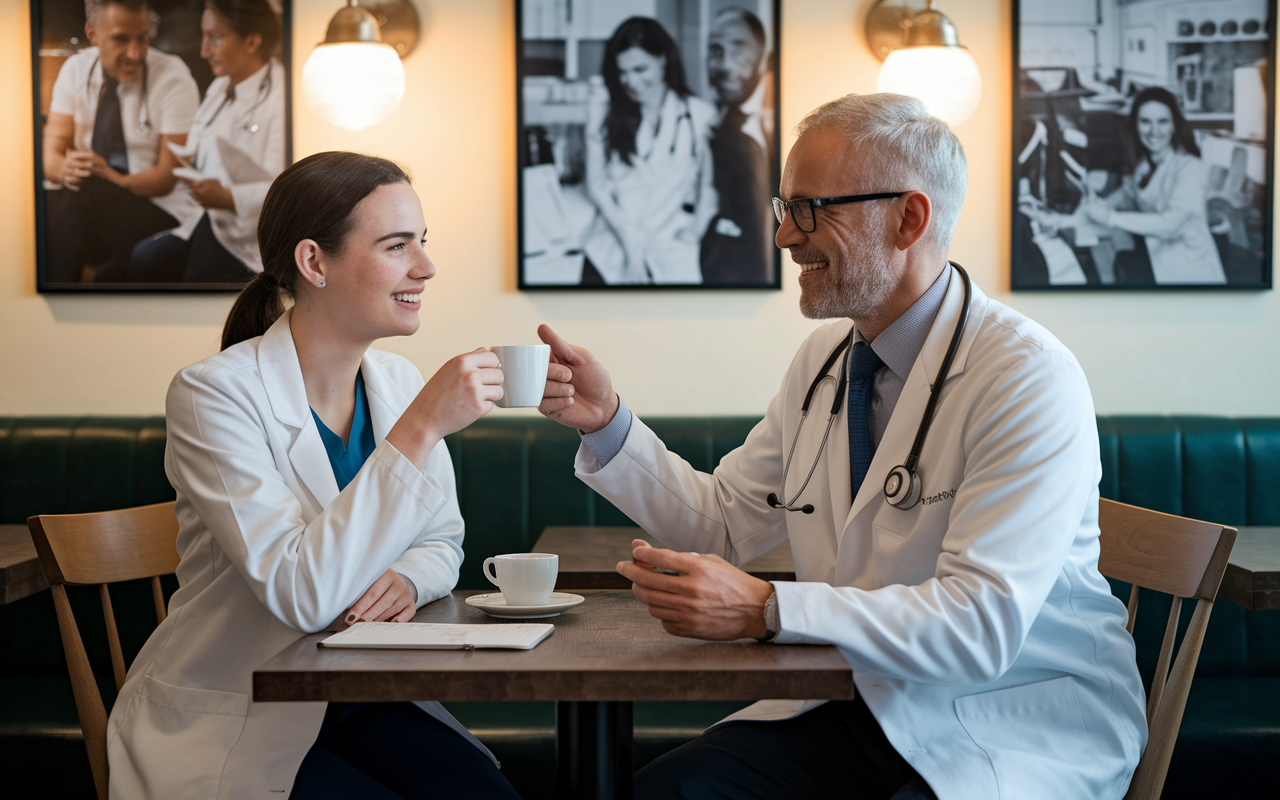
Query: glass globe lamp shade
column 353, row 85
column 945, row 79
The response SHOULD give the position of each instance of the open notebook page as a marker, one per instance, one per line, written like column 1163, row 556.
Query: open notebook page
column 439, row 636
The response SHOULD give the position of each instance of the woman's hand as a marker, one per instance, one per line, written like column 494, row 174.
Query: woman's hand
column 210, row 193
column 389, row 598
column 461, row 392
column 1098, row 212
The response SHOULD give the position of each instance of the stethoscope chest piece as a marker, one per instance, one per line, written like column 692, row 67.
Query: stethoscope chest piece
column 902, row 488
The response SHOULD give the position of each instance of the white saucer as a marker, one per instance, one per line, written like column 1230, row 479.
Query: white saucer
column 495, row 605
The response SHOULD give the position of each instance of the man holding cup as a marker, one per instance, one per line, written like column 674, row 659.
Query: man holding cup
column 989, row 656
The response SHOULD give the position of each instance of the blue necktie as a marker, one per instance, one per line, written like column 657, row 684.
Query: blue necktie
column 862, row 368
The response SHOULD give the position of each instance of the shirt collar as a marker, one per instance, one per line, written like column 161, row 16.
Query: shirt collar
column 899, row 344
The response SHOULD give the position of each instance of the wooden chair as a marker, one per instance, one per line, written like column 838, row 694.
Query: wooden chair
column 1181, row 557
column 102, row 548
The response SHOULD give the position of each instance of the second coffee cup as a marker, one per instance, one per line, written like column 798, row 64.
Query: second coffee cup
column 524, row 374
column 526, row 579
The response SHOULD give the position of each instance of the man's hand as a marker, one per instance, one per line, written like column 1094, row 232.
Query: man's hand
column 389, row 598
column 709, row 598
column 78, row 165
column 579, row 393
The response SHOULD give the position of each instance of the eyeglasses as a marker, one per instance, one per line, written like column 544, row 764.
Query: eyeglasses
column 802, row 210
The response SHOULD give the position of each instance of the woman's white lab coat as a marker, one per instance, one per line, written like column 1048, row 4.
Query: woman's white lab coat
column 252, row 131
column 270, row 551
column 980, row 632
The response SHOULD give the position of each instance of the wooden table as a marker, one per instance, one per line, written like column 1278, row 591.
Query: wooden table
column 20, row 572
column 1252, row 578
column 590, row 554
column 604, row 654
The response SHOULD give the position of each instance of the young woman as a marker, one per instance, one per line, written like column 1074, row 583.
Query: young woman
column 1164, row 201
column 649, row 168
column 313, row 485
column 242, row 117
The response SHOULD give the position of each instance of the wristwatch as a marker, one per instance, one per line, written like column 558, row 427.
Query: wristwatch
column 772, row 620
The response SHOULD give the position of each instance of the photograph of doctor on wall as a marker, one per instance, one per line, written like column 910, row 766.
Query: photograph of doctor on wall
column 160, row 125
column 1142, row 144
column 648, row 144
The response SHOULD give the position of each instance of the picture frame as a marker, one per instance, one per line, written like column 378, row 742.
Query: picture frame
column 1143, row 145
column 647, row 144
column 157, row 189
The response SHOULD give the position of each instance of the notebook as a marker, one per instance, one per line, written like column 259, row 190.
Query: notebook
column 439, row 636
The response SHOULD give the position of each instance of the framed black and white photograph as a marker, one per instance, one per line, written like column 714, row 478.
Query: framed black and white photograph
column 647, row 143
column 159, row 126
column 1143, row 144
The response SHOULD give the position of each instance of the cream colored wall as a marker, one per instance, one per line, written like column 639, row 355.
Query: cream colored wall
column 670, row 352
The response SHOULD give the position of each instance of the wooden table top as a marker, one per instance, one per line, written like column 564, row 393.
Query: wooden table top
column 590, row 554
column 1252, row 578
column 607, row 649
column 20, row 572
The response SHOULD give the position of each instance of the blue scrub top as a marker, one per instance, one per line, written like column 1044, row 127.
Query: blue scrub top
column 348, row 459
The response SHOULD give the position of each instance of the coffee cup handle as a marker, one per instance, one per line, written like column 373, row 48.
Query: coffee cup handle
column 493, row 578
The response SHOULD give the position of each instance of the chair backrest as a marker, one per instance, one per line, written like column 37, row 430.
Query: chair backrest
column 1181, row 557
column 102, row 548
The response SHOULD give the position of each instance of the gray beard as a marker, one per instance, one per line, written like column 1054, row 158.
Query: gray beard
column 857, row 288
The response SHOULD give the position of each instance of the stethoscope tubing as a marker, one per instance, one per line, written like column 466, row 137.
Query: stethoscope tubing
column 144, row 112
column 264, row 90
column 913, row 458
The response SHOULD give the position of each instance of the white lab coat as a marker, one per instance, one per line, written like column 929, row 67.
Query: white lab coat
column 270, row 551
column 253, row 124
column 981, row 635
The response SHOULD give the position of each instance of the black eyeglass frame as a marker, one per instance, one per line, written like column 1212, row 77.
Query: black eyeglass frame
column 783, row 207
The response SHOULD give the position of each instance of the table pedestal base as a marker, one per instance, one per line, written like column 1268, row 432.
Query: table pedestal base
column 593, row 751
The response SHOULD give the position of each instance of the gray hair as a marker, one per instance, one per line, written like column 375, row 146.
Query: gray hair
column 92, row 8
column 907, row 149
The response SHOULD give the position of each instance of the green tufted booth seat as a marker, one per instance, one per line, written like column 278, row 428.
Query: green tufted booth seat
column 515, row 477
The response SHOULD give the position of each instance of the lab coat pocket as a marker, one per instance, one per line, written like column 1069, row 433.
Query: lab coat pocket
column 207, row 722
column 1028, row 732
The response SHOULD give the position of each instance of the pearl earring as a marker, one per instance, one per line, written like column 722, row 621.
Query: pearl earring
column 320, row 283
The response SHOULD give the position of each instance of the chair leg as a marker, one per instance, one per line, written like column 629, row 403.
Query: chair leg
column 93, row 715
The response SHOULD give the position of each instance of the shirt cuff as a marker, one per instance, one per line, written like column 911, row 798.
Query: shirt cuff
column 607, row 442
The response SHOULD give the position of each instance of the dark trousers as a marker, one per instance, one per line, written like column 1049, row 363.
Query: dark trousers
column 836, row 750
column 96, row 226
column 201, row 258
column 385, row 751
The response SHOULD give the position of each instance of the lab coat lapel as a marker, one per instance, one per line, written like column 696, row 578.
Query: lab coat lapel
column 386, row 401
column 282, row 377
column 900, row 434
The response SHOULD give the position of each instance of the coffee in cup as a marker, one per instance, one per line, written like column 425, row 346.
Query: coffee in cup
column 526, row 579
column 524, row 374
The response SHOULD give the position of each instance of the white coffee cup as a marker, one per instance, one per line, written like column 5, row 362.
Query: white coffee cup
column 524, row 374
column 526, row 579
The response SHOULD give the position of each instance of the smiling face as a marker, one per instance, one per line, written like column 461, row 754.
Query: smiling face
column 734, row 60
column 642, row 75
column 844, row 261
column 122, row 36
column 225, row 50
column 1155, row 128
column 374, row 286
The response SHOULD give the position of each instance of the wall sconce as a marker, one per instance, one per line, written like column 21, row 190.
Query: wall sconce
column 354, row 79
column 923, row 58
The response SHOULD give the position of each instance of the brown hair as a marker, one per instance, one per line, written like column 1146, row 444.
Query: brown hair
column 313, row 199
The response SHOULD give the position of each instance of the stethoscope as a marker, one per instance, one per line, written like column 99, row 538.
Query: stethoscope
column 144, row 113
column 902, row 486
column 249, row 126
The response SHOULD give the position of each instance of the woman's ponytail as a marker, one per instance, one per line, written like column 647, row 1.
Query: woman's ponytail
column 313, row 199
column 257, row 307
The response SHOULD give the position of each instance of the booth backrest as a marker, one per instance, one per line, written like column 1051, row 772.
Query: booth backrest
column 515, row 477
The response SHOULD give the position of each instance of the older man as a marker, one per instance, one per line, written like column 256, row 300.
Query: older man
column 116, row 105
column 735, row 247
column 957, row 574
